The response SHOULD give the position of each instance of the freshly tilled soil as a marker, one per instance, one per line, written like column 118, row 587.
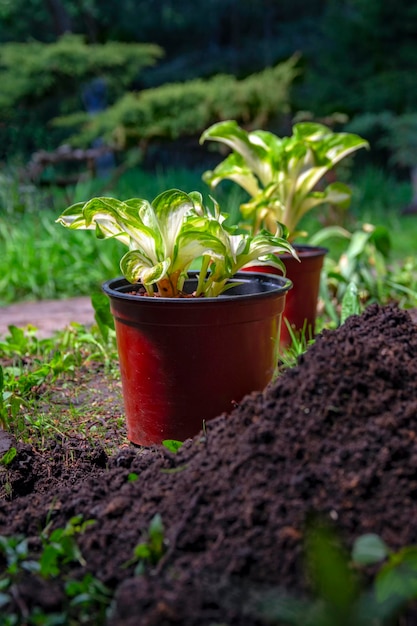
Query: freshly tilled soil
column 336, row 436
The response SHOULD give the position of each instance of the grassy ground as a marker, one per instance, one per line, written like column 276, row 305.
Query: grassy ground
column 62, row 388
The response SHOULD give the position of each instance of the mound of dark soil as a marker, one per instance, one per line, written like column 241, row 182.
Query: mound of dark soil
column 336, row 435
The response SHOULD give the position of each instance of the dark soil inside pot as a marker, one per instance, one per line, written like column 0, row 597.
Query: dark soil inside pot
column 334, row 436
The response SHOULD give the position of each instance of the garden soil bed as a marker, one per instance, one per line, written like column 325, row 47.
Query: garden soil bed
column 334, row 436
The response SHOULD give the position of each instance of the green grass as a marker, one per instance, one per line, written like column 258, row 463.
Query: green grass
column 60, row 387
column 40, row 260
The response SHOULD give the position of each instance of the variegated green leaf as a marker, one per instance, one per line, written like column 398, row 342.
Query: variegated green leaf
column 336, row 193
column 137, row 268
column 170, row 208
column 164, row 237
column 250, row 146
column 73, row 216
column 235, row 169
column 258, row 250
column 199, row 236
column 281, row 174
column 198, row 203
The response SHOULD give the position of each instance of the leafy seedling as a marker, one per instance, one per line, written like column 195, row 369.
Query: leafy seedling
column 351, row 304
column 172, row 445
column 149, row 552
column 8, row 457
column 396, row 581
column 60, row 547
column 340, row 597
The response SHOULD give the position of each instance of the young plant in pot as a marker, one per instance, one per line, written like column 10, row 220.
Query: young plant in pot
column 281, row 176
column 190, row 342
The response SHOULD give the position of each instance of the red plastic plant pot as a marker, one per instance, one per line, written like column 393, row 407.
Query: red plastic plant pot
column 301, row 305
column 186, row 360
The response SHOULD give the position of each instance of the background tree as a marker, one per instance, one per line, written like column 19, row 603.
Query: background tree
column 358, row 56
column 40, row 81
column 366, row 60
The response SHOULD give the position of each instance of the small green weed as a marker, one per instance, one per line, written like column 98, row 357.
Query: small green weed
column 172, row 445
column 300, row 341
column 395, row 583
column 19, row 384
column 60, row 547
column 86, row 599
column 149, row 552
column 341, row 595
column 8, row 456
column 350, row 303
column 366, row 263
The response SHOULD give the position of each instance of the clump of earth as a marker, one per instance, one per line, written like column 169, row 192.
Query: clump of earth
column 336, row 436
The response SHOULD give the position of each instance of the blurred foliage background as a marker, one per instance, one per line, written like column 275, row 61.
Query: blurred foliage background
column 144, row 72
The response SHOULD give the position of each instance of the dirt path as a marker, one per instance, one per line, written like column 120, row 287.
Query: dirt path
column 47, row 316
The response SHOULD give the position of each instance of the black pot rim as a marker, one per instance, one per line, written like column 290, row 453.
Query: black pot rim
column 270, row 285
column 305, row 250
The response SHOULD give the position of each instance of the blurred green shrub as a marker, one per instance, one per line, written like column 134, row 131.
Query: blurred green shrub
column 176, row 110
column 40, row 81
